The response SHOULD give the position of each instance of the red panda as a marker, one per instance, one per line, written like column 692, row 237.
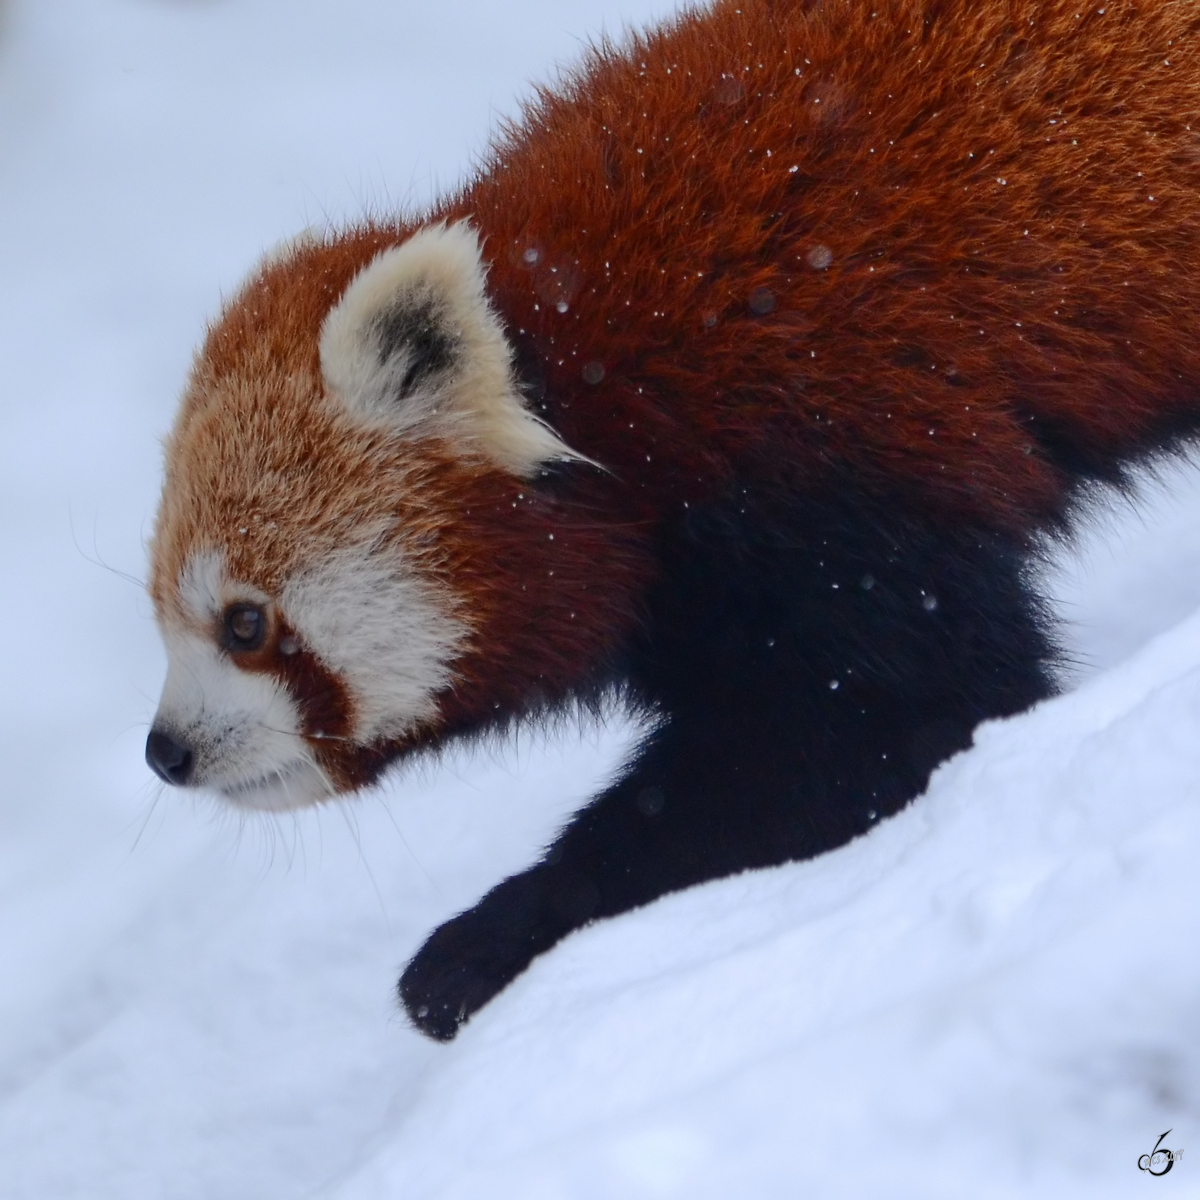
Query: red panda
column 743, row 381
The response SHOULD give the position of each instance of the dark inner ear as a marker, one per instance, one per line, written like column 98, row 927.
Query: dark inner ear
column 415, row 333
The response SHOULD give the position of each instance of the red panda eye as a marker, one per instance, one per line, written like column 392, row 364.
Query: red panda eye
column 245, row 627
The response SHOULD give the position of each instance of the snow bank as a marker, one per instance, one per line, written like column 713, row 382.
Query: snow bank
column 995, row 993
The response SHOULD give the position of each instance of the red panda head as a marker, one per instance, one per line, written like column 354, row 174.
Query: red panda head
column 351, row 556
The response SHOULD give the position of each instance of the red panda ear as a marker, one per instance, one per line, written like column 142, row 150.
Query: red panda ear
column 414, row 347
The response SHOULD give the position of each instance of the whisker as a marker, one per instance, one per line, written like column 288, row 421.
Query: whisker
column 158, row 795
column 320, row 737
column 98, row 561
column 297, row 832
column 404, row 842
column 355, row 833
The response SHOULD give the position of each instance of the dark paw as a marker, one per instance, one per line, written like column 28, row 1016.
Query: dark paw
column 465, row 962
column 445, row 983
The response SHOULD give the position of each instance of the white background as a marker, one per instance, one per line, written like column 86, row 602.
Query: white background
column 997, row 993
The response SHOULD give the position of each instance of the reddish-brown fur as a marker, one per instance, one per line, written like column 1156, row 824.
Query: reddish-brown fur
column 830, row 295
column 1008, row 194
column 928, row 243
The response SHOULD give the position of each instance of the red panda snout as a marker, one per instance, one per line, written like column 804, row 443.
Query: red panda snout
column 219, row 725
column 353, row 651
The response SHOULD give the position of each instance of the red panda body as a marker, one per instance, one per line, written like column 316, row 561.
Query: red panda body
column 741, row 381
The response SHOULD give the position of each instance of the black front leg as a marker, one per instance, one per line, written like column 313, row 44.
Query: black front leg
column 807, row 683
column 683, row 812
column 470, row 958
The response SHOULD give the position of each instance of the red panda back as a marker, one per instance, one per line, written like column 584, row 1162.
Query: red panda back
column 945, row 245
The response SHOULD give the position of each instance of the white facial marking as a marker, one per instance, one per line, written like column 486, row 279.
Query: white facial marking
column 451, row 376
column 202, row 584
column 242, row 728
column 387, row 634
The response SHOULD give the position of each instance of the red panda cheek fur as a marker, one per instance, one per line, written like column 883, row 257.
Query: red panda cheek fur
column 831, row 313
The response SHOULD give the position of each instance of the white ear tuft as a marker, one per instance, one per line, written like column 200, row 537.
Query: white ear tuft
column 414, row 347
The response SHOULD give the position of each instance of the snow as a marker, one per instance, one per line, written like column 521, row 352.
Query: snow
column 996, row 993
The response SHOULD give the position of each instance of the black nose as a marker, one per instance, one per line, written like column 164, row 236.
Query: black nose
column 170, row 760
